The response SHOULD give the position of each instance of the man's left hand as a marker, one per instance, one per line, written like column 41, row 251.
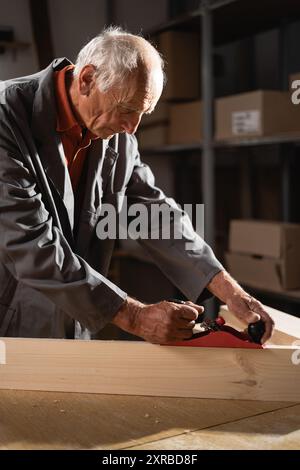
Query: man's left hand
column 245, row 307
column 249, row 310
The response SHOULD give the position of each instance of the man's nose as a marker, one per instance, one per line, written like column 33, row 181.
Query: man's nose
column 131, row 123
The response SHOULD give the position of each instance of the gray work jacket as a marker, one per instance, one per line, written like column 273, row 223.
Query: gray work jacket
column 53, row 267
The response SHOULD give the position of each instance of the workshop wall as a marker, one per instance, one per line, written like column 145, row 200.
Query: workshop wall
column 16, row 13
column 74, row 23
column 131, row 16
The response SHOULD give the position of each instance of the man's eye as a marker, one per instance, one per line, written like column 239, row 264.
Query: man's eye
column 125, row 110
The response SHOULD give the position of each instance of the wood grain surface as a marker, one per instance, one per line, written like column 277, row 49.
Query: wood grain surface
column 51, row 420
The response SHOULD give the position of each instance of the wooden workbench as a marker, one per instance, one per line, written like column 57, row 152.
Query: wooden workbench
column 67, row 420
column 53, row 420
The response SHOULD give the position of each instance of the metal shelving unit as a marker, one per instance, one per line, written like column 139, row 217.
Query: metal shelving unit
column 243, row 142
column 221, row 22
column 13, row 47
column 233, row 20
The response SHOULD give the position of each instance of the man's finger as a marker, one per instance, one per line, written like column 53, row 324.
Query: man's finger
column 189, row 313
column 267, row 335
column 269, row 326
column 182, row 324
column 250, row 317
column 268, row 321
column 199, row 308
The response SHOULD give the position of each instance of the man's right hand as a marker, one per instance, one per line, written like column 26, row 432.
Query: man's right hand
column 160, row 323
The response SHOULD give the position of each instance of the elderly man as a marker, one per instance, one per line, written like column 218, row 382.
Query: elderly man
column 67, row 146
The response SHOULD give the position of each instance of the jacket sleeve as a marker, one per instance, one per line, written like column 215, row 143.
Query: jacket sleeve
column 37, row 253
column 185, row 258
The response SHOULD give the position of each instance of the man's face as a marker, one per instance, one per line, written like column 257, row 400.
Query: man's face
column 118, row 110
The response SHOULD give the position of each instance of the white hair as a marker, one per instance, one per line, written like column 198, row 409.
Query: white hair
column 115, row 55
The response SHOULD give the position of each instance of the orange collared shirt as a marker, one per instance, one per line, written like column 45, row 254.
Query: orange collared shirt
column 75, row 142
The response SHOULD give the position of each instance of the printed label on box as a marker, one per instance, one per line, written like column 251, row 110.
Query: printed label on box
column 246, row 122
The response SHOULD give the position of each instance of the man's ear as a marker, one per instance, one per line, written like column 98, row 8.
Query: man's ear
column 86, row 79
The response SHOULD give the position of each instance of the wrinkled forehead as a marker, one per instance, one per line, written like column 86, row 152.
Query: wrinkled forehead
column 150, row 78
column 144, row 87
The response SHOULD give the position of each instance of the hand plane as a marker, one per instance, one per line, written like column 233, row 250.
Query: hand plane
column 216, row 334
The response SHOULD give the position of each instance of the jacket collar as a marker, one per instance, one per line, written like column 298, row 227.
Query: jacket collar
column 48, row 141
column 50, row 147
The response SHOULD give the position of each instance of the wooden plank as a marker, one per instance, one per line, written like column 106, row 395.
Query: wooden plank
column 55, row 420
column 285, row 323
column 139, row 368
column 277, row 430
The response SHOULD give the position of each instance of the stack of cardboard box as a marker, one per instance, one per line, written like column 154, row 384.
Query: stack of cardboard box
column 260, row 113
column 154, row 127
column 186, row 123
column 256, row 114
column 265, row 254
column 181, row 52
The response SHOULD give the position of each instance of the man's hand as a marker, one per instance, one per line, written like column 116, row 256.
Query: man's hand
column 250, row 310
column 245, row 307
column 160, row 323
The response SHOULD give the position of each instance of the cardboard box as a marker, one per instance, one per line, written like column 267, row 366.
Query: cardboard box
column 258, row 113
column 181, row 52
column 185, row 123
column 265, row 254
column 264, row 273
column 256, row 237
column 159, row 116
column 153, row 136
